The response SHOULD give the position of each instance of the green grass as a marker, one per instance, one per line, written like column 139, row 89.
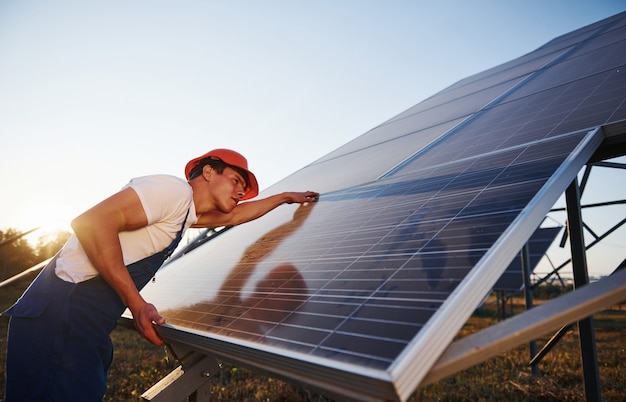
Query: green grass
column 138, row 365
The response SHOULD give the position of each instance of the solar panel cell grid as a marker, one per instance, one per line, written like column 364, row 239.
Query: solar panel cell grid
column 402, row 136
column 512, row 279
column 441, row 112
column 513, row 71
column 427, row 230
column 411, row 214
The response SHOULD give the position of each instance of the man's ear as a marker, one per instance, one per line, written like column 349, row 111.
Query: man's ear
column 207, row 171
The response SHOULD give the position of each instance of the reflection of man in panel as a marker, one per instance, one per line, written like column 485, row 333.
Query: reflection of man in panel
column 234, row 313
column 58, row 346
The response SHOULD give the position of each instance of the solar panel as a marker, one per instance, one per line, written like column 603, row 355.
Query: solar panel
column 360, row 293
column 512, row 279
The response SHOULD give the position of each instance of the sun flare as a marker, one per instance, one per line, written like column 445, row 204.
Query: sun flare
column 47, row 220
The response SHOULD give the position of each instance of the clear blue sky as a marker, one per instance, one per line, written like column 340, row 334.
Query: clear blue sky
column 93, row 93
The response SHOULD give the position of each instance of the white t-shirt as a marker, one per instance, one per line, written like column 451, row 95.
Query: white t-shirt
column 165, row 200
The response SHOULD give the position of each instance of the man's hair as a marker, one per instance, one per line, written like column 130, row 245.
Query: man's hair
column 218, row 165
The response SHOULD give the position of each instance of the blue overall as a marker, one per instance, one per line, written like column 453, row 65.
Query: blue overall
column 59, row 347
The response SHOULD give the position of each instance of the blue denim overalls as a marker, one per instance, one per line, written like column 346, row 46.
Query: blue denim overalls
column 59, row 347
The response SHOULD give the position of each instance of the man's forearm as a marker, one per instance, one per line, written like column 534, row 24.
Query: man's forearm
column 248, row 211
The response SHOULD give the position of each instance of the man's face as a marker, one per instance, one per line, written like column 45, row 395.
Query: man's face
column 228, row 188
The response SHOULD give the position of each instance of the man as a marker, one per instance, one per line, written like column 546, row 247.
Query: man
column 58, row 345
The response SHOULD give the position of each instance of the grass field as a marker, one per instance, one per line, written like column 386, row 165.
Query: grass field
column 138, row 365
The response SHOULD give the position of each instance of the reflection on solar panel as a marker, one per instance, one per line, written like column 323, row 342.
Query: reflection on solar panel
column 513, row 277
column 360, row 293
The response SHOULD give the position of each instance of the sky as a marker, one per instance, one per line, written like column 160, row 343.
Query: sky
column 93, row 93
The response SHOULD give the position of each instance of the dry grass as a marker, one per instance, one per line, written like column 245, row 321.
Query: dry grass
column 506, row 377
column 138, row 365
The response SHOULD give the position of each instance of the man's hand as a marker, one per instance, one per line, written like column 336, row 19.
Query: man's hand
column 98, row 231
column 301, row 198
column 145, row 317
column 250, row 210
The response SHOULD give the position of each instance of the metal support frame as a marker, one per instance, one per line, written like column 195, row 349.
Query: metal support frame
column 528, row 296
column 32, row 271
column 544, row 318
column 549, row 345
column 501, row 305
column 579, row 266
column 561, row 332
column 596, row 239
column 189, row 381
column 502, row 298
column 576, row 226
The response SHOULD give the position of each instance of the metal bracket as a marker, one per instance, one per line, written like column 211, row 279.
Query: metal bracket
column 189, row 380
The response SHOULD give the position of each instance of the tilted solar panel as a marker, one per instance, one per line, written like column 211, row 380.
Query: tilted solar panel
column 512, row 279
column 360, row 293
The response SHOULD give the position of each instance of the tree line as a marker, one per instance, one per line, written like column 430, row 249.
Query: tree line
column 17, row 253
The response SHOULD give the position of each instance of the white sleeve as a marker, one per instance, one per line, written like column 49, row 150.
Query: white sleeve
column 163, row 197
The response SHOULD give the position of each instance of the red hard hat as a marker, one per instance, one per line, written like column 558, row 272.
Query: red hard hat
column 231, row 158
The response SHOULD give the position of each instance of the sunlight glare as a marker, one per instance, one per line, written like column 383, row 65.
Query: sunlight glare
column 49, row 219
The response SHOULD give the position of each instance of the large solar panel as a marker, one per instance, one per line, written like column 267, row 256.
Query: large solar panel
column 359, row 294
column 512, row 279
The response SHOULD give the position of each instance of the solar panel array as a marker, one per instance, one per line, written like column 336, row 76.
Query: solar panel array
column 513, row 277
column 360, row 293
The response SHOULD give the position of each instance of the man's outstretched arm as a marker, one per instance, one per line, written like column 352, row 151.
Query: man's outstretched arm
column 248, row 211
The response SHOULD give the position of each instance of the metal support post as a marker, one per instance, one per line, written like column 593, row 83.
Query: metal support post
column 189, row 380
column 579, row 267
column 528, row 294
